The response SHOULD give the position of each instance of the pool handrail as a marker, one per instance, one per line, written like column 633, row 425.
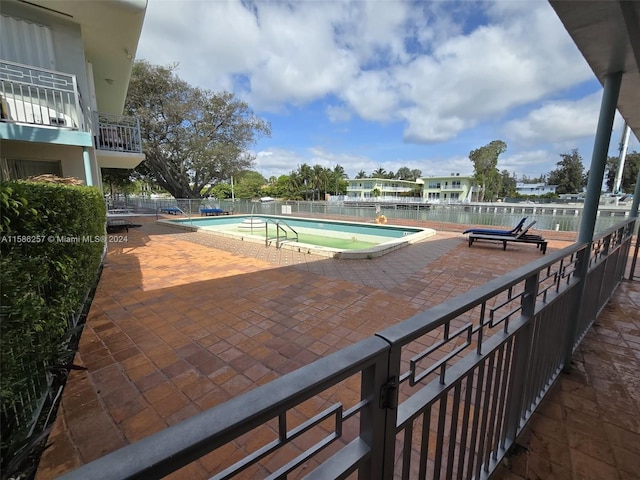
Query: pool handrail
column 278, row 223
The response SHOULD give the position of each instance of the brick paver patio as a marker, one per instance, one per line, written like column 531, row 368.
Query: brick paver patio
column 183, row 321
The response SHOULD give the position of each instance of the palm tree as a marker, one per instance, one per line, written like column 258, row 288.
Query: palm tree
column 361, row 174
column 379, row 173
column 320, row 179
column 294, row 183
column 306, row 174
column 338, row 175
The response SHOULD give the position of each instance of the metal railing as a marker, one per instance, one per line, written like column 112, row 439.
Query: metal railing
column 443, row 394
column 40, row 97
column 118, row 133
column 548, row 217
column 281, row 226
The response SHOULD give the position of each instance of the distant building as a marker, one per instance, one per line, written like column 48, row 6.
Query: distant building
column 535, row 188
column 379, row 189
column 65, row 69
column 447, row 189
column 442, row 189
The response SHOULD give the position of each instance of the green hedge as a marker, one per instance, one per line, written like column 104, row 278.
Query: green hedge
column 51, row 245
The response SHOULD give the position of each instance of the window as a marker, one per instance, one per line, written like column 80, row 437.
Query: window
column 434, row 184
column 12, row 169
column 25, row 42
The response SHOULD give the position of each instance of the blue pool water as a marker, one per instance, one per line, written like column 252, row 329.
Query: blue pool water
column 325, row 237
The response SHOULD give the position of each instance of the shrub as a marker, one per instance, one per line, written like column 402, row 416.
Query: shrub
column 51, row 245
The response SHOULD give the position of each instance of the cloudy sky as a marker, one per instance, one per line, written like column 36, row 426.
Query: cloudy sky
column 385, row 83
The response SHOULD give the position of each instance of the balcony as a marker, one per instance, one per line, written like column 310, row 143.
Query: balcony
column 40, row 97
column 46, row 99
column 118, row 133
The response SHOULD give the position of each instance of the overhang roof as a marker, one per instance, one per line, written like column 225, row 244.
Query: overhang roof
column 607, row 33
column 110, row 32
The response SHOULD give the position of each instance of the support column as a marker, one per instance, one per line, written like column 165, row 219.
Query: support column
column 634, row 214
column 599, row 156
column 636, row 198
column 87, row 166
column 596, row 173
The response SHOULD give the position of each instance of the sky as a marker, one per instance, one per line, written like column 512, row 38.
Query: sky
column 386, row 83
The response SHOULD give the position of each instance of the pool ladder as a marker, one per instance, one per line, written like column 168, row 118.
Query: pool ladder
column 282, row 233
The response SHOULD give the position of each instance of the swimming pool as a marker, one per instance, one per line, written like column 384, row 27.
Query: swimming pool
column 330, row 238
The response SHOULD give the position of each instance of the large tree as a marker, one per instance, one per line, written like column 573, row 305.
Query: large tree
column 485, row 165
column 119, row 180
column 249, row 184
column 192, row 138
column 405, row 173
column 508, row 184
column 569, row 176
column 629, row 173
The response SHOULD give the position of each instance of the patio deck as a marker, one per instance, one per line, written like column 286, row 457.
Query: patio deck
column 184, row 321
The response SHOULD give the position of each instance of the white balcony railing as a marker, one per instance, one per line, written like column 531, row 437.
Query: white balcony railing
column 118, row 133
column 40, row 97
column 48, row 98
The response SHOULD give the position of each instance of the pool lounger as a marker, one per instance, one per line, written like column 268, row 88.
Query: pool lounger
column 514, row 231
column 522, row 237
column 213, row 211
column 119, row 224
column 171, row 210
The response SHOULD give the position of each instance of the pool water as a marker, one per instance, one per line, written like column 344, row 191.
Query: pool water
column 319, row 236
column 352, row 243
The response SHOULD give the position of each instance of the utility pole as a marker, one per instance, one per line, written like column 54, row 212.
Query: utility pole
column 624, row 144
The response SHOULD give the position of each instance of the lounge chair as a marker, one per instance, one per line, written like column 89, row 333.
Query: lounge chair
column 488, row 231
column 119, row 224
column 171, row 210
column 522, row 237
column 213, row 211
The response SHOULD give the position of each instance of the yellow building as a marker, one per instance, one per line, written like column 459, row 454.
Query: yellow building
column 381, row 190
column 453, row 188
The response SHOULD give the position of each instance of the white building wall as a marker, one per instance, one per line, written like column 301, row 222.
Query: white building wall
column 68, row 47
column 70, row 157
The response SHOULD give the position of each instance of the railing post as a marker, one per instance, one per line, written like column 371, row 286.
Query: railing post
column 582, row 270
column 374, row 420
column 521, row 361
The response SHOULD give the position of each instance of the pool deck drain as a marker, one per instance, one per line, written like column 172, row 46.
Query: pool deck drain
column 183, row 321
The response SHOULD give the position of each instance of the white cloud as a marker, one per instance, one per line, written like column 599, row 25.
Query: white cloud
column 338, row 113
column 429, row 66
column 532, row 163
column 373, row 95
column 384, row 60
column 558, row 121
column 277, row 161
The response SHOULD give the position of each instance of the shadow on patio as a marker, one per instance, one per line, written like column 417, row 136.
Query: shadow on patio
column 178, row 327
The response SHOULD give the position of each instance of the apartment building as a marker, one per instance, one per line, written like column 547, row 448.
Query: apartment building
column 448, row 189
column 65, row 67
column 535, row 188
column 380, row 189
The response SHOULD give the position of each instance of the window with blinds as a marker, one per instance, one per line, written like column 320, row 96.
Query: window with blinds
column 25, row 42
column 14, row 169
